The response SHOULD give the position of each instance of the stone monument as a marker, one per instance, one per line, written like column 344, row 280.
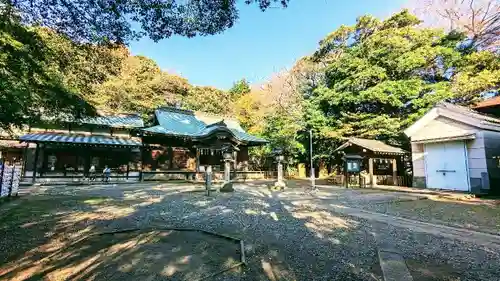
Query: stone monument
column 280, row 184
column 228, row 160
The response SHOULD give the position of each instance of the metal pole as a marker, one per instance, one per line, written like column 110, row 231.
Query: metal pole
column 313, row 184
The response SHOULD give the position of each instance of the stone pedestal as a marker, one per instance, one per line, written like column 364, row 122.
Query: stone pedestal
column 280, row 184
column 228, row 185
column 227, row 171
column 208, row 180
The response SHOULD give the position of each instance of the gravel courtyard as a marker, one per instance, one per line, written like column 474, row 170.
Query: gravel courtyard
column 291, row 235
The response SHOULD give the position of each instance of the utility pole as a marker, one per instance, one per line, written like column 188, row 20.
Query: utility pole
column 313, row 184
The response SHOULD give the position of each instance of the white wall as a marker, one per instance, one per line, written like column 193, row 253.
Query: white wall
column 476, row 156
column 442, row 127
column 417, row 156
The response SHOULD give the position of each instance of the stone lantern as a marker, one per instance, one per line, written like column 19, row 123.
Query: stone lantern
column 280, row 183
column 227, row 155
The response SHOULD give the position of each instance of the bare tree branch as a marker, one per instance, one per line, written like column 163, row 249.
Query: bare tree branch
column 480, row 19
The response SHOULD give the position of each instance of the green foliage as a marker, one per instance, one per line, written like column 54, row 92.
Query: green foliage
column 140, row 87
column 281, row 130
column 38, row 76
column 479, row 73
column 381, row 76
column 370, row 80
column 247, row 109
column 239, row 88
column 208, row 99
column 84, row 20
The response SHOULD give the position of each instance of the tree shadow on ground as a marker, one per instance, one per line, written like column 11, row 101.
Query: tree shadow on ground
column 54, row 237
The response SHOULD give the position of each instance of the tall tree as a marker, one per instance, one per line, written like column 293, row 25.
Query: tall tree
column 239, row 88
column 44, row 74
column 381, row 76
column 84, row 20
column 32, row 77
column 140, row 87
column 208, row 99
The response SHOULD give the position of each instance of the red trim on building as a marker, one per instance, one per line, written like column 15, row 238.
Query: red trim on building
column 488, row 103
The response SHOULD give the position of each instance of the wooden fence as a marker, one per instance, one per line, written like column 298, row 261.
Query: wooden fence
column 379, row 179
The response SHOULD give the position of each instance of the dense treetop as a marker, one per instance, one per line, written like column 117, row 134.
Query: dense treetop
column 122, row 21
column 380, row 76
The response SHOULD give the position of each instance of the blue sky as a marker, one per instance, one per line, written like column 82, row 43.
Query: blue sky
column 260, row 43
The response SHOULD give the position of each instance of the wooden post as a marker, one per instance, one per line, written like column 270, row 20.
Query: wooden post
column 35, row 162
column 25, row 160
column 346, row 174
column 141, row 173
column 235, row 164
column 88, row 163
column 370, row 172
column 128, row 162
column 197, row 160
column 395, row 172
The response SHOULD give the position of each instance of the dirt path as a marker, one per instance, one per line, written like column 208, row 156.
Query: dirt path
column 339, row 203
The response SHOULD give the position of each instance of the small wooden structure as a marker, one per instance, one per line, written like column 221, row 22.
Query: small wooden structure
column 382, row 160
column 352, row 165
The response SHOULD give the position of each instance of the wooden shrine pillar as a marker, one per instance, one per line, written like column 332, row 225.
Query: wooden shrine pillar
column 35, row 162
column 129, row 157
column 235, row 164
column 370, row 172
column 141, row 173
column 197, row 160
column 87, row 162
column 25, row 161
column 395, row 172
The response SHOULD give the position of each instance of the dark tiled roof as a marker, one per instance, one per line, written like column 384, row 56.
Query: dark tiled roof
column 178, row 122
column 373, row 145
column 78, row 139
column 118, row 121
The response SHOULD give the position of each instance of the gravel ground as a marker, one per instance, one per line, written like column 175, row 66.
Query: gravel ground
column 284, row 241
column 482, row 216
